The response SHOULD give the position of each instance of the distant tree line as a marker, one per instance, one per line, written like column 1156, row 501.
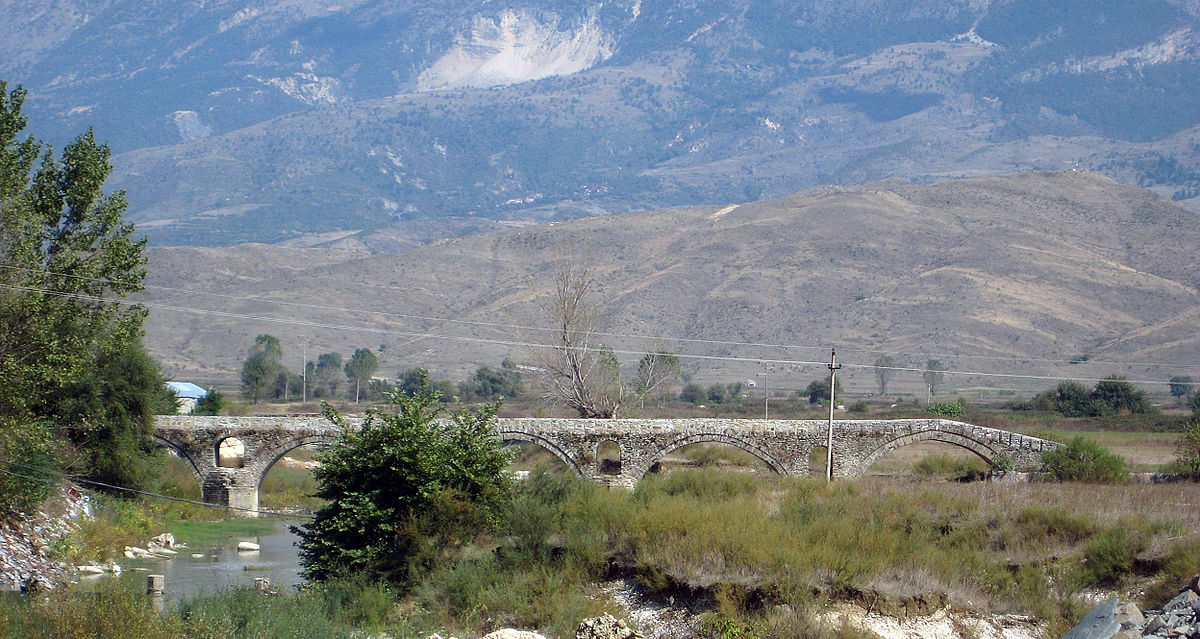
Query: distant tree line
column 264, row 377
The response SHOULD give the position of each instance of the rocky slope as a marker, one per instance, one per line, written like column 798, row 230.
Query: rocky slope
column 277, row 120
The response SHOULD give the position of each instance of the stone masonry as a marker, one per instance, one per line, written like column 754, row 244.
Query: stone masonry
column 785, row 446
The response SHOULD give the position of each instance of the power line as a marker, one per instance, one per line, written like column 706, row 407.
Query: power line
column 79, row 480
column 499, row 342
column 682, row 340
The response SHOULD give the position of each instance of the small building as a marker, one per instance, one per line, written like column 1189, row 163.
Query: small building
column 188, row 394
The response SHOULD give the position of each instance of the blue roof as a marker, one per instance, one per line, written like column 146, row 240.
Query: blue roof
column 187, row 390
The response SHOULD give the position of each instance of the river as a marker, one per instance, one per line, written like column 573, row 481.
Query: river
column 220, row 565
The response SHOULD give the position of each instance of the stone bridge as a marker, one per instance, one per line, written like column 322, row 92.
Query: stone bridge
column 785, row 446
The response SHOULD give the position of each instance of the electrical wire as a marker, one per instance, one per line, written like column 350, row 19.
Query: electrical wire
column 764, row 361
column 681, row 340
column 61, row 477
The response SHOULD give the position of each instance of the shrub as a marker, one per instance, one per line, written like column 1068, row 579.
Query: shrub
column 402, row 489
column 1110, row 554
column 1187, row 450
column 947, row 409
column 1084, row 460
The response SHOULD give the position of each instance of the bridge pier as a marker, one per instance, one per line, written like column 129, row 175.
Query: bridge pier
column 233, row 487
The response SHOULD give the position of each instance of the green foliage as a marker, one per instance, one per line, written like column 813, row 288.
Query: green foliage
column 211, row 404
column 326, row 376
column 693, row 394
column 1115, row 395
column 947, row 409
column 360, row 368
column 1187, row 450
column 69, row 356
column 884, row 372
column 262, row 367
column 1084, row 460
column 1109, row 555
column 403, row 489
column 1181, row 386
column 34, row 446
column 1111, row 396
column 818, row 391
column 489, row 385
column 109, row 412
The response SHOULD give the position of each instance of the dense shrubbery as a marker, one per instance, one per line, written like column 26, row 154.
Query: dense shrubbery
column 402, row 489
column 1084, row 460
column 1111, row 396
column 1187, row 453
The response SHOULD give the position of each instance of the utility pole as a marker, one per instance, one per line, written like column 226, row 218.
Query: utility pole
column 766, row 393
column 833, row 367
column 304, row 372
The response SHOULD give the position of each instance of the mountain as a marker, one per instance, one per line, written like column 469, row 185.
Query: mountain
column 1015, row 274
column 380, row 124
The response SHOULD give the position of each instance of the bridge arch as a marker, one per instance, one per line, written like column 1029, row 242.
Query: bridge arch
column 636, row 474
column 180, row 452
column 521, row 436
column 268, row 457
column 980, row 448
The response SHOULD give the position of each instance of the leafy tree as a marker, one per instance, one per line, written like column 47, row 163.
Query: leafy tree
column 818, row 390
column 262, row 367
column 1187, row 450
column 1181, row 386
column 1084, row 460
column 328, row 374
column 360, row 368
column 1073, row 400
column 211, row 404
column 884, row 372
column 66, row 253
column 718, row 394
column 1194, row 402
column 488, row 384
column 109, row 412
column 1114, row 394
column 692, row 393
column 933, row 375
column 403, row 489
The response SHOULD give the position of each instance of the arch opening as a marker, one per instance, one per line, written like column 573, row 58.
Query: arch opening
column 518, row 438
column 713, row 450
column 942, row 456
column 530, row 456
column 230, row 453
column 608, row 458
column 288, row 482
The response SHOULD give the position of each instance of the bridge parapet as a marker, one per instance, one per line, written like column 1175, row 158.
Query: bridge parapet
column 785, row 446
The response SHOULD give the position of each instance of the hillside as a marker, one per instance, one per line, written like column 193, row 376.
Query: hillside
column 296, row 121
column 1029, row 266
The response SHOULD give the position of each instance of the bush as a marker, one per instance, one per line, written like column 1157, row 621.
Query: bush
column 1084, row 460
column 947, row 409
column 1187, row 450
column 1109, row 556
column 402, row 489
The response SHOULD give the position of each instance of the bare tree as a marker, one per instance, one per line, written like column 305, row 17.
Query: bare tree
column 885, row 370
column 575, row 367
column 656, row 372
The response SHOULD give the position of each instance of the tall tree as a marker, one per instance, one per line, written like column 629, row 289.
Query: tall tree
column 329, row 372
column 67, row 257
column 656, row 372
column 262, row 367
column 360, row 368
column 885, row 370
column 572, row 366
column 933, row 375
